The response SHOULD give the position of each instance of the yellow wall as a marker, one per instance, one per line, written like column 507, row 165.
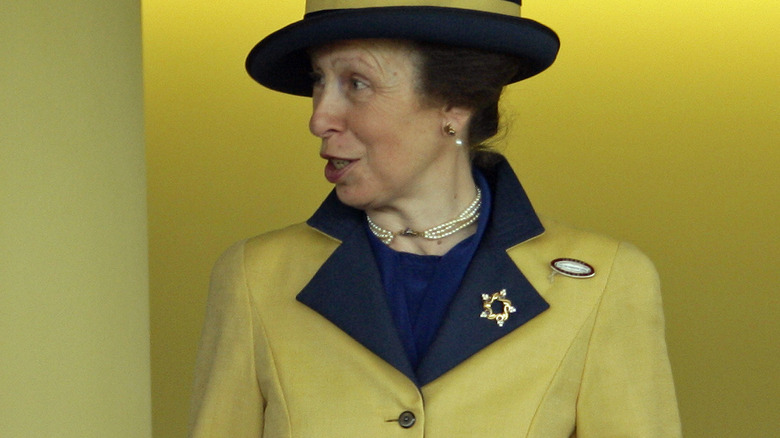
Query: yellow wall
column 658, row 124
column 74, row 319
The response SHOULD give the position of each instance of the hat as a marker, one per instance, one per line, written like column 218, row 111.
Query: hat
column 281, row 62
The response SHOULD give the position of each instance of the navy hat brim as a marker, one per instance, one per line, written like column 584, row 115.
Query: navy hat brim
column 281, row 61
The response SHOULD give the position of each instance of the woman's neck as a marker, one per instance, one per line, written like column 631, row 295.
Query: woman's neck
column 440, row 205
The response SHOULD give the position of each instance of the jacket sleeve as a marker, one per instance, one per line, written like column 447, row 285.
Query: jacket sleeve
column 627, row 388
column 226, row 396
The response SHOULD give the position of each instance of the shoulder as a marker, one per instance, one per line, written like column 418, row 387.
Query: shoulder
column 294, row 240
column 276, row 259
column 297, row 233
column 610, row 258
column 566, row 235
column 580, row 242
column 623, row 268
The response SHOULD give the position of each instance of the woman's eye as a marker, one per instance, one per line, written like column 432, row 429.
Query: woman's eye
column 358, row 84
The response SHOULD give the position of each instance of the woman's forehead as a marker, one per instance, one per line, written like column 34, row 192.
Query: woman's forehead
column 372, row 53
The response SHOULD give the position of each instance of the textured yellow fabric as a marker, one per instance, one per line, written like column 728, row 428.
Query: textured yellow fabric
column 593, row 365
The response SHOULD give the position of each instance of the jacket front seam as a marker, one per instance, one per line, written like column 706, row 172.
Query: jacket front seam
column 271, row 356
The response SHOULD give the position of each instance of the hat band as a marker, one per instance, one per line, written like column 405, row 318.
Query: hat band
column 504, row 7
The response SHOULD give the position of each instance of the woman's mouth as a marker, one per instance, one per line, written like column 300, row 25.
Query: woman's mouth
column 336, row 169
column 339, row 164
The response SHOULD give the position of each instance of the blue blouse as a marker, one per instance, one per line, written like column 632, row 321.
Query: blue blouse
column 419, row 288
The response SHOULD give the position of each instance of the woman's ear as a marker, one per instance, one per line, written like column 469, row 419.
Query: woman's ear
column 457, row 117
column 456, row 124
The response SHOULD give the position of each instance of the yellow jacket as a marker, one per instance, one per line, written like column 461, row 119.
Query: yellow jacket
column 299, row 342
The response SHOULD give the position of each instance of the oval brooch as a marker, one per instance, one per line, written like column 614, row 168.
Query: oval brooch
column 572, row 268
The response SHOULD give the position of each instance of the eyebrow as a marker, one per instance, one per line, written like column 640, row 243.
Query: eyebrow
column 358, row 58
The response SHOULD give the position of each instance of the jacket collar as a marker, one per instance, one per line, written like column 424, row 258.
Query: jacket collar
column 347, row 289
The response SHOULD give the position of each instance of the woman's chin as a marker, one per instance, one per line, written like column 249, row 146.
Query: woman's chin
column 351, row 197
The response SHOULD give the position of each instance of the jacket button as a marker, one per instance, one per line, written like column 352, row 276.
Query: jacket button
column 406, row 419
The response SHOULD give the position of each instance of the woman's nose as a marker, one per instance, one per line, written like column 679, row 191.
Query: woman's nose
column 327, row 115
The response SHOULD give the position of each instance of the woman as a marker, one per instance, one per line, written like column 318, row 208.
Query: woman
column 425, row 297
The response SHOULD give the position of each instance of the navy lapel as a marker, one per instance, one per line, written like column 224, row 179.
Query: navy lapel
column 463, row 332
column 347, row 290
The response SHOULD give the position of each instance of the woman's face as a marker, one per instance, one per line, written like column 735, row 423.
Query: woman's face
column 383, row 145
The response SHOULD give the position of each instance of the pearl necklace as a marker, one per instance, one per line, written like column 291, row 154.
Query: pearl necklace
column 466, row 218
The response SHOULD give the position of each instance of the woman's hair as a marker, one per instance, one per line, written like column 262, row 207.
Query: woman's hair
column 468, row 78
